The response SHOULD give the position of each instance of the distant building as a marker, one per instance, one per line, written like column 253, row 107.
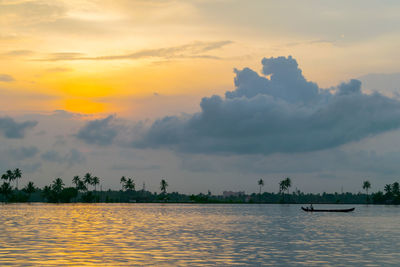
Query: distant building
column 233, row 194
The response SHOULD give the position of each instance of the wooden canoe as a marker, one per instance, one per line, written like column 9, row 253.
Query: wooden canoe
column 334, row 210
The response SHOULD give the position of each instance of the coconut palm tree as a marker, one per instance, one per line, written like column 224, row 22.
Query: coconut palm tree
column 388, row 189
column 129, row 185
column 81, row 186
column 87, row 179
column 282, row 186
column 10, row 175
column 366, row 186
column 261, row 184
column 76, row 181
column 122, row 181
column 396, row 188
column 163, row 186
column 288, row 184
column 58, row 185
column 17, row 174
column 46, row 192
column 6, row 190
column 29, row 189
column 4, row 177
column 95, row 182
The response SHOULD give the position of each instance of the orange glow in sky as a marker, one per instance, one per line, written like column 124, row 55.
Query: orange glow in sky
column 90, row 56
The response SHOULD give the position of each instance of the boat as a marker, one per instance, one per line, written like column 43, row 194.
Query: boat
column 334, row 210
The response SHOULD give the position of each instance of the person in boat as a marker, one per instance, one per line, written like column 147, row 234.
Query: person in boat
column 311, row 207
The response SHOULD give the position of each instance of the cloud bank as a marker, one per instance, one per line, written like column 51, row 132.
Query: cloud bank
column 12, row 129
column 100, row 132
column 278, row 111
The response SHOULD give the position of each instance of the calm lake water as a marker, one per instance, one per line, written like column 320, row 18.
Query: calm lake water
column 186, row 234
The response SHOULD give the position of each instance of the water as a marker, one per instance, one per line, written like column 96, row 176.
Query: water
column 186, row 234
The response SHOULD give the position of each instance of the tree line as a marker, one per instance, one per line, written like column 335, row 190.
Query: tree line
column 85, row 189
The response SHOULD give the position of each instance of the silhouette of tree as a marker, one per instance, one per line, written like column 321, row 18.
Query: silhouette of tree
column 10, row 175
column 288, row 184
column 58, row 185
column 129, row 185
column 6, row 190
column 76, row 181
column 388, row 189
column 81, row 186
column 261, row 184
column 87, row 179
column 29, row 189
column 282, row 186
column 163, row 186
column 46, row 191
column 122, row 181
column 17, row 174
column 366, row 186
column 395, row 189
column 95, row 182
column 4, row 177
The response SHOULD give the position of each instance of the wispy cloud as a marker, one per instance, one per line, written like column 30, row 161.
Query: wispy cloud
column 6, row 78
column 193, row 50
column 72, row 157
column 59, row 69
column 17, row 53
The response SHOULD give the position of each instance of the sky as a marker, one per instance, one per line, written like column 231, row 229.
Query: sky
column 210, row 95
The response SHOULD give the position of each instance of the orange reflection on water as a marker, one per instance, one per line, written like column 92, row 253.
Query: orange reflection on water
column 174, row 235
column 84, row 234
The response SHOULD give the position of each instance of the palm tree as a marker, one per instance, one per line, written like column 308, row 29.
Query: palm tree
column 122, row 181
column 129, row 185
column 10, row 175
column 46, row 192
column 4, row 177
column 288, row 184
column 163, row 186
column 95, row 182
column 81, row 186
column 366, row 186
column 17, row 174
column 282, row 186
column 396, row 188
column 261, row 184
column 58, row 185
column 388, row 189
column 6, row 189
column 87, row 179
column 76, row 181
column 29, row 189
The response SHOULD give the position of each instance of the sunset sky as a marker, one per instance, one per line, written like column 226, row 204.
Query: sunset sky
column 210, row 94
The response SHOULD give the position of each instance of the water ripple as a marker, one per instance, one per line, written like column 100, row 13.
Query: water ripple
column 209, row 235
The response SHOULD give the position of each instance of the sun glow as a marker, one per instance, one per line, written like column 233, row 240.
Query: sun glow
column 87, row 106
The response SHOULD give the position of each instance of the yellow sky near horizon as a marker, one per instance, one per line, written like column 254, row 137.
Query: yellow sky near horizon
column 91, row 56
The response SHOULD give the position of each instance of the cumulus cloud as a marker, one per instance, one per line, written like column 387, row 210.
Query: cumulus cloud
column 6, row 78
column 72, row 157
column 12, row 129
column 100, row 132
column 278, row 111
